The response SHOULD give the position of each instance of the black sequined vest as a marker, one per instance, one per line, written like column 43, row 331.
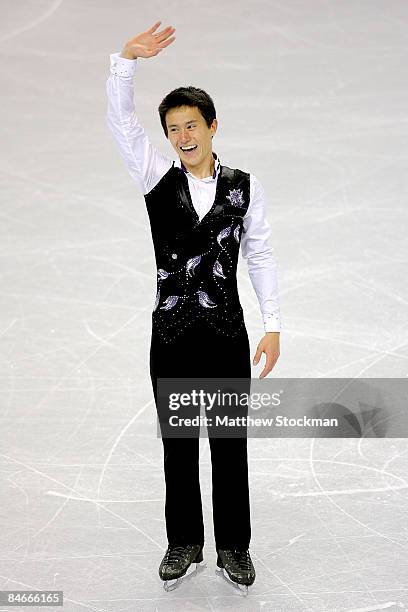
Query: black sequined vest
column 197, row 260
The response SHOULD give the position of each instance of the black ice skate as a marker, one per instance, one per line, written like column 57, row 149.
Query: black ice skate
column 177, row 561
column 236, row 567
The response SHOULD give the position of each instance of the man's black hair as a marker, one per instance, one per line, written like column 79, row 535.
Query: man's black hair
column 187, row 96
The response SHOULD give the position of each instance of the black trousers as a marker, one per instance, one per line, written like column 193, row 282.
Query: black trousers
column 202, row 353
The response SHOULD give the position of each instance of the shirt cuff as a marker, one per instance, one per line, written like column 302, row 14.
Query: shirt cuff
column 271, row 323
column 120, row 66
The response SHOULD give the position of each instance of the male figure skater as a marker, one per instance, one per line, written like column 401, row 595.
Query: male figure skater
column 201, row 212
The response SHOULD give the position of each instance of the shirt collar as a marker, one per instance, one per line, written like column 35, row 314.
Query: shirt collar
column 179, row 164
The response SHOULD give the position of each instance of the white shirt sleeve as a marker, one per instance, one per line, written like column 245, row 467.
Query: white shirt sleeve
column 262, row 266
column 146, row 165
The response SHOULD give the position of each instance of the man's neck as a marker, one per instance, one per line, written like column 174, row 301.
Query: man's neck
column 204, row 170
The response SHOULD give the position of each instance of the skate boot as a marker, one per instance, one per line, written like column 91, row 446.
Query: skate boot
column 177, row 561
column 236, row 567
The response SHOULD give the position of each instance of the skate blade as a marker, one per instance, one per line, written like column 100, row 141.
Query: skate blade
column 242, row 588
column 170, row 585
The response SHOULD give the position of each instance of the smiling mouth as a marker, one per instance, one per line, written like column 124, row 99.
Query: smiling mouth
column 189, row 150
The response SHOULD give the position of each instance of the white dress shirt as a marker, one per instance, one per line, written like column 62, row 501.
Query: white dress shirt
column 147, row 166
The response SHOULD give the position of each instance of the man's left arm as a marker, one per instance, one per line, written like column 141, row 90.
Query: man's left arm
column 262, row 268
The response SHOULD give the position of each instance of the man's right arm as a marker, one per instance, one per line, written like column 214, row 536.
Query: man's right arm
column 145, row 163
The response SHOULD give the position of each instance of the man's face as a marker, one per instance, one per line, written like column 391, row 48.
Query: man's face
column 187, row 127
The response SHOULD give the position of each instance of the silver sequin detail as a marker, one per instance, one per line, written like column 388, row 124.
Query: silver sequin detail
column 170, row 302
column 205, row 300
column 223, row 234
column 191, row 264
column 217, row 270
column 174, row 255
column 236, row 197
column 162, row 274
column 236, row 233
column 157, row 300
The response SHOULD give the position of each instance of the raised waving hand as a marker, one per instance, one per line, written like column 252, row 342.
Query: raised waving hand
column 149, row 43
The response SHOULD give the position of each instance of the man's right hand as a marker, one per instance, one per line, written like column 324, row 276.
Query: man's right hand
column 148, row 43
